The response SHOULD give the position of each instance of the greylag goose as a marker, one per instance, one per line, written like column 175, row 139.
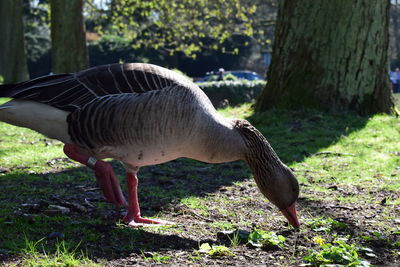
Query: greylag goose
column 142, row 114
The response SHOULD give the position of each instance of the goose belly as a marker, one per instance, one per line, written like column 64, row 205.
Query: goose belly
column 142, row 155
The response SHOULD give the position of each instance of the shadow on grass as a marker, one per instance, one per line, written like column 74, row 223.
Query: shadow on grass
column 298, row 134
column 95, row 229
column 294, row 135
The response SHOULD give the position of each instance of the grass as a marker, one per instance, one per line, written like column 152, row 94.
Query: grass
column 337, row 252
column 319, row 224
column 348, row 167
column 260, row 238
column 157, row 258
column 216, row 250
column 33, row 256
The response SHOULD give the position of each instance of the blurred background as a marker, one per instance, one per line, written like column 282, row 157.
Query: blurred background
column 125, row 31
column 173, row 34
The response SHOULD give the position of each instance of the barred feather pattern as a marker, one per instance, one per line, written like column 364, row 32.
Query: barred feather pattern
column 138, row 119
column 260, row 156
column 72, row 91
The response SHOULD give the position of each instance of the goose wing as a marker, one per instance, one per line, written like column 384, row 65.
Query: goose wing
column 71, row 91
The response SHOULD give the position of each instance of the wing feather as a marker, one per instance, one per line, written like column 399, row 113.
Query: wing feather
column 72, row 91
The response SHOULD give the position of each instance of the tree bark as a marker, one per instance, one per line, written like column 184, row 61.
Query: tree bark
column 69, row 51
column 330, row 55
column 394, row 44
column 13, row 65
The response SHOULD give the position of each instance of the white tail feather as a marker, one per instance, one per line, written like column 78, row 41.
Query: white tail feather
column 6, row 105
column 42, row 118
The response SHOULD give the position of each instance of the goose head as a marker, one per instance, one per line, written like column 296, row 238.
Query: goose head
column 274, row 179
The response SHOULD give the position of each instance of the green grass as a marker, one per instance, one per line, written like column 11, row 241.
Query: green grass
column 216, row 250
column 338, row 252
column 240, row 112
column 342, row 159
column 339, row 148
column 371, row 149
column 35, row 255
column 260, row 238
column 157, row 258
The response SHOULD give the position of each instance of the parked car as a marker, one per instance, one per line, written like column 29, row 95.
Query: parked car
column 248, row 75
column 238, row 74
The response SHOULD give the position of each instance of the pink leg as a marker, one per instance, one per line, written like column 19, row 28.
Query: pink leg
column 133, row 218
column 104, row 174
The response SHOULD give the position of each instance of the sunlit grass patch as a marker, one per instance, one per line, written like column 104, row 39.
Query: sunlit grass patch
column 36, row 255
column 340, row 251
column 368, row 156
column 240, row 112
column 196, row 203
column 157, row 258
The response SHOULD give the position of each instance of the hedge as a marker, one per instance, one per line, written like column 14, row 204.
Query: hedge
column 232, row 93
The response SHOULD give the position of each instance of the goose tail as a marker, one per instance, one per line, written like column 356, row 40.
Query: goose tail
column 5, row 106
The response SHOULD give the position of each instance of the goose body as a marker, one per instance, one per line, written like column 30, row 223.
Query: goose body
column 156, row 128
column 142, row 114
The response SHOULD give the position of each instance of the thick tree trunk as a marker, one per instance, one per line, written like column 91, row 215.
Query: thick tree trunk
column 13, row 66
column 69, row 51
column 330, row 55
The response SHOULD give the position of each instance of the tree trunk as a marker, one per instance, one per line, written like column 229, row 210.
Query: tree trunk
column 69, row 51
column 330, row 55
column 394, row 41
column 13, row 66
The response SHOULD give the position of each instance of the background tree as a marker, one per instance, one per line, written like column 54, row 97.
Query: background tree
column 394, row 31
column 331, row 55
column 13, row 65
column 185, row 26
column 211, row 34
column 69, row 52
column 128, row 24
column 37, row 36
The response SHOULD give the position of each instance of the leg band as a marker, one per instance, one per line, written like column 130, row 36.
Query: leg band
column 91, row 162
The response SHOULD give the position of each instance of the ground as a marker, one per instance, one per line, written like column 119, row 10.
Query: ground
column 53, row 214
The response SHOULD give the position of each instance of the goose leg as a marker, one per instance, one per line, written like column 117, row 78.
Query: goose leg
column 104, row 174
column 133, row 218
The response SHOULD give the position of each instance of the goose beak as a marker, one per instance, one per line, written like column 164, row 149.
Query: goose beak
column 291, row 215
